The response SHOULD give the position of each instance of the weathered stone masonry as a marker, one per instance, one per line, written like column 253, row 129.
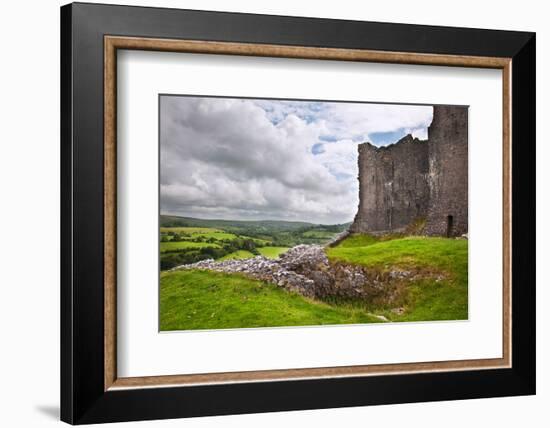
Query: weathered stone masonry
column 417, row 180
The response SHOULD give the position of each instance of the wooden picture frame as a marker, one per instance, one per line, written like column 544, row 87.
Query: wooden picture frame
column 91, row 390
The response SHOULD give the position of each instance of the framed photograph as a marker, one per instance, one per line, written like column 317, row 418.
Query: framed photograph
column 266, row 213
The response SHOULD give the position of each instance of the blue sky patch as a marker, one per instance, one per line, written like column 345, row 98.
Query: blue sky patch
column 317, row 148
column 386, row 138
column 328, row 138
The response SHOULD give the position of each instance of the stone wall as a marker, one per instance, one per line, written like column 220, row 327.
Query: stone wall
column 393, row 186
column 306, row 270
column 415, row 180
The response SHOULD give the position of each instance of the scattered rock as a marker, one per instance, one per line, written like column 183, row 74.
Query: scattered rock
column 398, row 311
column 259, row 267
column 399, row 273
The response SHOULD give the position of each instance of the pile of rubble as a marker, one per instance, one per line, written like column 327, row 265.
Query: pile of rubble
column 259, row 267
column 305, row 269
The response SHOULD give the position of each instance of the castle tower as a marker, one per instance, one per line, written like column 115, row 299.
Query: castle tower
column 448, row 177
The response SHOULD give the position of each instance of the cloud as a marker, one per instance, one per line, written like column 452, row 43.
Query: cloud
column 267, row 159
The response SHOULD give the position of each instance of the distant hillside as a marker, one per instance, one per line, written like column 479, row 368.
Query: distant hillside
column 187, row 240
column 250, row 227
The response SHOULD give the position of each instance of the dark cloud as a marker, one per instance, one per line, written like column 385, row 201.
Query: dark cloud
column 258, row 159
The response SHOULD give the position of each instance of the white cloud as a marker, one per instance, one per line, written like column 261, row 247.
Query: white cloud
column 266, row 159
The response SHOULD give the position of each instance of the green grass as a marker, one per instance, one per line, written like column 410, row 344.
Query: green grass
column 193, row 299
column 440, row 253
column 180, row 245
column 204, row 232
column 272, row 252
column 240, row 254
column 357, row 240
column 429, row 298
column 269, row 252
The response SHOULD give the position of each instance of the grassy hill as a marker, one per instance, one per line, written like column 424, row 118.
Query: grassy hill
column 192, row 299
column 277, row 232
column 441, row 295
column 237, row 225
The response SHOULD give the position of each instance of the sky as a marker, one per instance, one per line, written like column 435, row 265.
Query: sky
column 255, row 159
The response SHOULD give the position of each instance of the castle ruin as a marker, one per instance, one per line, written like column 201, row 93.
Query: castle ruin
column 417, row 182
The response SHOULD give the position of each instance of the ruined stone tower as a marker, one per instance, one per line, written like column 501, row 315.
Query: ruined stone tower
column 417, row 181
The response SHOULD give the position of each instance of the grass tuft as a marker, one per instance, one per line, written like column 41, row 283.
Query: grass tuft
column 272, row 252
column 237, row 255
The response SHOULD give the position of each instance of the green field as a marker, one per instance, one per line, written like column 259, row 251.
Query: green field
column 272, row 252
column 186, row 240
column 442, row 295
column 258, row 241
column 192, row 299
column 237, row 255
column 189, row 244
column 173, row 246
column 198, row 232
column 276, row 233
